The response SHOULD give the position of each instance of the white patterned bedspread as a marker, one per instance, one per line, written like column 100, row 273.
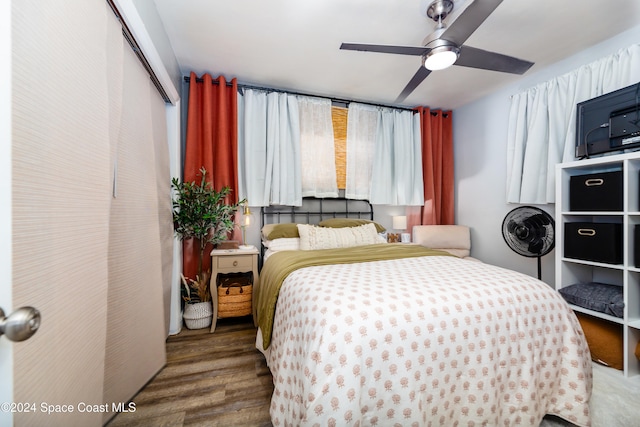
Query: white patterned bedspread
column 429, row 341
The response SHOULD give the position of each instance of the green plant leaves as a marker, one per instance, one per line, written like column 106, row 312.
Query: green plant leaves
column 200, row 212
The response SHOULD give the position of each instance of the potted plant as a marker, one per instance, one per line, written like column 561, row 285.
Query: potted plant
column 200, row 213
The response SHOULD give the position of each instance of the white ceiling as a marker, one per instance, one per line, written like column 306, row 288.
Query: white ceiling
column 294, row 44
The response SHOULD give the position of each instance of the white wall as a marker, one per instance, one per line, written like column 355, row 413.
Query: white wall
column 154, row 26
column 480, row 135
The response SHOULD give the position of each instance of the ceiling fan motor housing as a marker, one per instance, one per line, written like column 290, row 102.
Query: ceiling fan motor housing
column 434, row 37
column 437, row 44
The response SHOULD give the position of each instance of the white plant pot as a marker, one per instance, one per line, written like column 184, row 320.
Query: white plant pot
column 198, row 315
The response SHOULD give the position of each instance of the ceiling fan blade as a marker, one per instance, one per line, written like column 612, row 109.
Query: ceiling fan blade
column 398, row 50
column 485, row 60
column 417, row 78
column 469, row 21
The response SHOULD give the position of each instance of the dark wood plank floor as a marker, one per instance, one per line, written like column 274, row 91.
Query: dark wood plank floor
column 220, row 379
column 217, row 379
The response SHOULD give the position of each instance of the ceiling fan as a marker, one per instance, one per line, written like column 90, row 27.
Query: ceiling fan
column 444, row 47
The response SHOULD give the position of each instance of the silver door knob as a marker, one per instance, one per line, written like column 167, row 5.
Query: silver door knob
column 21, row 324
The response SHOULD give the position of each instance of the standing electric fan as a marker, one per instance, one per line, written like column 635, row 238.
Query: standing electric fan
column 529, row 231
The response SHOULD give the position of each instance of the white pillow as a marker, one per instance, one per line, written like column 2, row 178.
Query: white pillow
column 267, row 254
column 314, row 237
column 283, row 244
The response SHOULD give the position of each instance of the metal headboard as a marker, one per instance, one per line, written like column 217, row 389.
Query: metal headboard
column 313, row 210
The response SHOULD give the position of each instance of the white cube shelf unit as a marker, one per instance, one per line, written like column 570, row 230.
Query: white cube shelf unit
column 627, row 275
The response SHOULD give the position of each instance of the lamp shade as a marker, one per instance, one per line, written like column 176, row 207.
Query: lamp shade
column 245, row 221
column 247, row 216
column 399, row 222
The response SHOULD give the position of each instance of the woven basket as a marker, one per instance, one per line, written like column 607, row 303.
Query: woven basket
column 198, row 315
column 234, row 301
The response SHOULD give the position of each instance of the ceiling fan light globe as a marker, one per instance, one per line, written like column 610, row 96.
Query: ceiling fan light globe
column 441, row 57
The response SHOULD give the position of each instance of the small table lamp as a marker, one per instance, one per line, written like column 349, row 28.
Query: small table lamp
column 399, row 223
column 246, row 220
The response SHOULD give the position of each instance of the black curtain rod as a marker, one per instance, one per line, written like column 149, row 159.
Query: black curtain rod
column 126, row 33
column 336, row 100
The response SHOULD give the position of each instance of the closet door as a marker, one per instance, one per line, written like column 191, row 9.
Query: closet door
column 61, row 191
column 91, row 212
column 136, row 335
column 6, row 348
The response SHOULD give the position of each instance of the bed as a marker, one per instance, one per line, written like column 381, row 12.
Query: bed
column 379, row 334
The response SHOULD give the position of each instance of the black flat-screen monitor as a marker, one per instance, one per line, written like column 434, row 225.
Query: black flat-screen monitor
column 610, row 122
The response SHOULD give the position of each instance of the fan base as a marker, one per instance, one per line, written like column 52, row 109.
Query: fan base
column 439, row 9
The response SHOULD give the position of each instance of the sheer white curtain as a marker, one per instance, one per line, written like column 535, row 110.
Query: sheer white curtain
column 269, row 148
column 317, row 150
column 542, row 124
column 362, row 125
column 397, row 163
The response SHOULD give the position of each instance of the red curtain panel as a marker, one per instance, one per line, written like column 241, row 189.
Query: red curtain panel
column 437, row 169
column 212, row 143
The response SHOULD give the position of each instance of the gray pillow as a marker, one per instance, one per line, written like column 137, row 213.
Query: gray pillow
column 600, row 297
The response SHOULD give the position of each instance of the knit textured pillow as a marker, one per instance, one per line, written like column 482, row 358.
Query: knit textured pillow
column 314, row 237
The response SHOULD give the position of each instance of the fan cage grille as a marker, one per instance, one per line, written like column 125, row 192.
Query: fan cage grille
column 529, row 231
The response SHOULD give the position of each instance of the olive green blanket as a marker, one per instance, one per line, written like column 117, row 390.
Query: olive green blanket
column 281, row 264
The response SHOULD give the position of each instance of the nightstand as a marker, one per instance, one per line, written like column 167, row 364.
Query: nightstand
column 233, row 261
